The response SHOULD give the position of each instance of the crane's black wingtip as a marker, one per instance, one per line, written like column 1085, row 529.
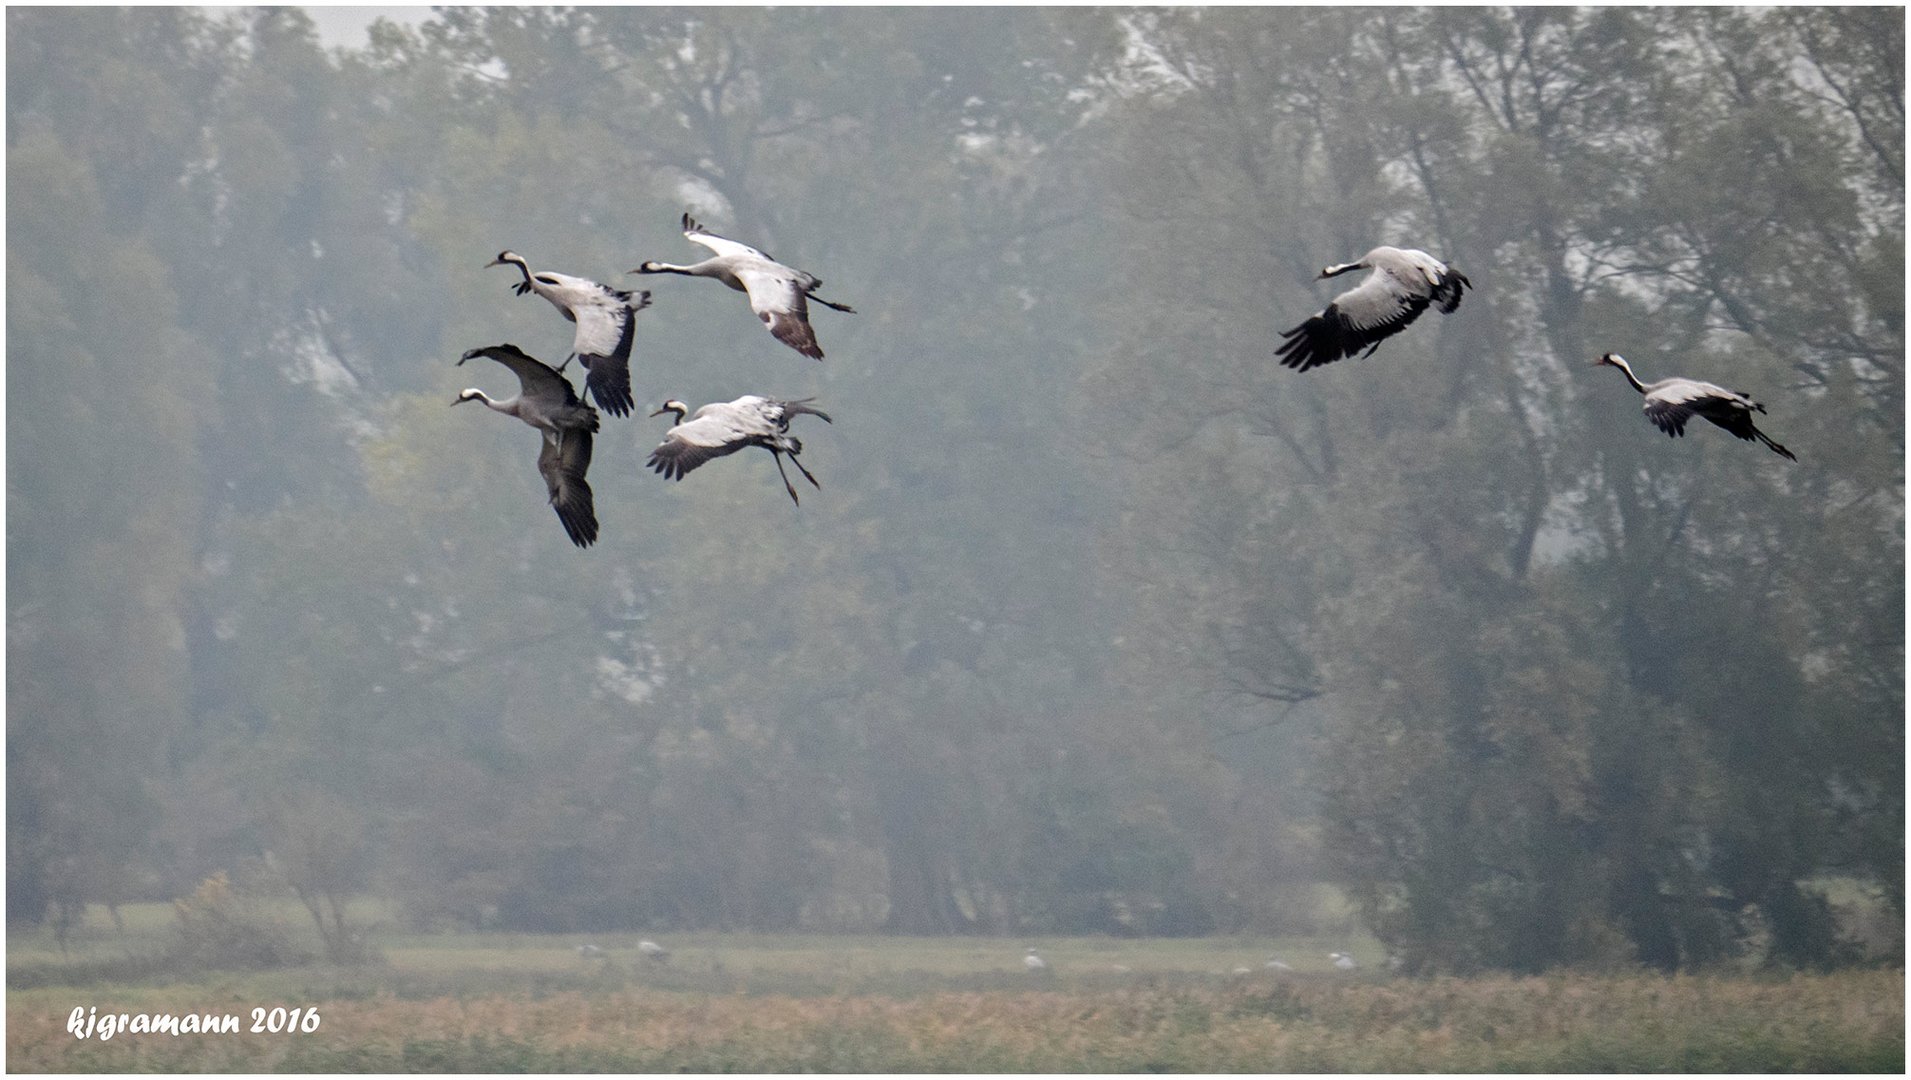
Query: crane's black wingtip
column 491, row 351
column 581, row 528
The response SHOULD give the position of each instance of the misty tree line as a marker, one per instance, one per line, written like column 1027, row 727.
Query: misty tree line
column 1102, row 622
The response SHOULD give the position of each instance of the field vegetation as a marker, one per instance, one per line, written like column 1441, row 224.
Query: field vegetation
column 489, row 1002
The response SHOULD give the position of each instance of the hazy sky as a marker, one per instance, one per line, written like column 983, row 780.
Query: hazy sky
column 344, row 25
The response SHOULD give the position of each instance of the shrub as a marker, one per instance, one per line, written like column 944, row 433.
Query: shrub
column 221, row 927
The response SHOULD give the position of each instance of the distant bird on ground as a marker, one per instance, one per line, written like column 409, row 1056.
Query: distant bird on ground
column 546, row 401
column 1403, row 283
column 653, row 951
column 1671, row 402
column 778, row 294
column 605, row 318
column 1275, row 964
column 1342, row 961
column 589, row 951
column 725, row 427
column 1034, row 962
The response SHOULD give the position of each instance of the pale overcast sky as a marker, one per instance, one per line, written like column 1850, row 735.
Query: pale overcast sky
column 340, row 24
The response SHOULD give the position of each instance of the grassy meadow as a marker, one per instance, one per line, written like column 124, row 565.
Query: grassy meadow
column 756, row 1003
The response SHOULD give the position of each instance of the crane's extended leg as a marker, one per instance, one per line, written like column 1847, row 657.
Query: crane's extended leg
column 1762, row 437
column 794, row 460
column 787, row 486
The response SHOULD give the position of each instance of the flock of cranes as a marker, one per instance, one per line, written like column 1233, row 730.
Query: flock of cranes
column 605, row 319
column 1403, row 283
column 1407, row 281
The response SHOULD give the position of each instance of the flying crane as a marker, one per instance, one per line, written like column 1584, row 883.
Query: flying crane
column 546, row 401
column 605, row 318
column 778, row 294
column 1671, row 402
column 1404, row 283
column 725, row 427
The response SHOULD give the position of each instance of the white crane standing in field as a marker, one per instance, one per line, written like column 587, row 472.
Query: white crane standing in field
column 1342, row 961
column 653, row 951
column 1034, row 962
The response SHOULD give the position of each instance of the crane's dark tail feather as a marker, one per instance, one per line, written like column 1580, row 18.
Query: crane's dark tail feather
column 1447, row 293
column 802, row 405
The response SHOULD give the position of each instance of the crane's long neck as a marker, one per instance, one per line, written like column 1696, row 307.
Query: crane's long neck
column 523, row 266
column 670, row 268
column 1626, row 370
column 1343, row 268
column 509, row 406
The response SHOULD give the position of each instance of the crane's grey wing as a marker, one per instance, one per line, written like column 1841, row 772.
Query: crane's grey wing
column 778, row 296
column 1669, row 404
column 563, row 472
column 1445, row 282
column 696, row 441
column 1669, row 416
column 695, row 232
column 1733, row 413
column 1360, row 318
column 602, row 344
column 536, row 378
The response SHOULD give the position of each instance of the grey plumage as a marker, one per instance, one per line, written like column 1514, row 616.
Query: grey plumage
column 1404, row 283
column 546, row 401
column 778, row 294
column 1671, row 402
column 725, row 427
column 606, row 321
